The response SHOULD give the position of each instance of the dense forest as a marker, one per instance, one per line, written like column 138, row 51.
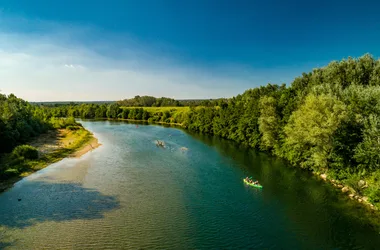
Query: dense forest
column 326, row 121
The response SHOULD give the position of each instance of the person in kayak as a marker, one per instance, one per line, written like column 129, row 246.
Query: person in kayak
column 249, row 180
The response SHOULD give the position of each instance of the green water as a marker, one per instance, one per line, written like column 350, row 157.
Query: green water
column 131, row 194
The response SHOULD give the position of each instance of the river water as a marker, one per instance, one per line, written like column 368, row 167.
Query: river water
column 131, row 194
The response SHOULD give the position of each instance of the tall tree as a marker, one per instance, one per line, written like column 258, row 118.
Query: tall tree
column 310, row 130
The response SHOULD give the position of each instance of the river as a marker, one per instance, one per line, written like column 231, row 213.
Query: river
column 131, row 194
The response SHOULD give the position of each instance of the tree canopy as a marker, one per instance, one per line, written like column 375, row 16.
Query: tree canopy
column 326, row 120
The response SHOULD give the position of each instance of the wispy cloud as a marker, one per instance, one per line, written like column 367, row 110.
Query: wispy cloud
column 67, row 63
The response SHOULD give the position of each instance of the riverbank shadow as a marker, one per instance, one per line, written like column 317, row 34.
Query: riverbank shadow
column 40, row 201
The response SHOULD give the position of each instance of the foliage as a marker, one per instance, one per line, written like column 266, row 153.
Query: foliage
column 268, row 122
column 149, row 101
column 309, row 133
column 353, row 182
column 19, row 121
column 25, row 151
column 64, row 123
column 373, row 191
column 327, row 120
column 367, row 153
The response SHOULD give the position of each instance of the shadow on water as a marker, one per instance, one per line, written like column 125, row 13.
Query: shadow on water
column 41, row 201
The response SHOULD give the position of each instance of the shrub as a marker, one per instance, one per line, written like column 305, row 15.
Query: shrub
column 353, row 182
column 373, row 190
column 10, row 172
column 25, row 151
column 373, row 194
column 72, row 128
column 63, row 122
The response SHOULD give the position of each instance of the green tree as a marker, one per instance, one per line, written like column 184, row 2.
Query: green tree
column 113, row 110
column 311, row 128
column 367, row 154
column 268, row 123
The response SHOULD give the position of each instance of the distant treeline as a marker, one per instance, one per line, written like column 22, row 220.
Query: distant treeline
column 57, row 104
column 327, row 120
column 150, row 101
column 142, row 101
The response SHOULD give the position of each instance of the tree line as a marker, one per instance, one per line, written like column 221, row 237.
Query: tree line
column 19, row 122
column 326, row 120
column 150, row 101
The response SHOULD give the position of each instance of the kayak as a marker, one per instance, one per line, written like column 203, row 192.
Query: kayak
column 251, row 184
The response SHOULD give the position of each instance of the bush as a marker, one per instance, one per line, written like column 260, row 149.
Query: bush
column 72, row 128
column 63, row 122
column 25, row 151
column 11, row 172
column 373, row 194
column 353, row 182
column 373, row 190
column 339, row 174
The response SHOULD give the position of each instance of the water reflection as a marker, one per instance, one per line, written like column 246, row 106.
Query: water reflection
column 129, row 194
column 315, row 209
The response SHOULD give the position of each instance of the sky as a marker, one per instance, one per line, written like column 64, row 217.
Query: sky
column 86, row 50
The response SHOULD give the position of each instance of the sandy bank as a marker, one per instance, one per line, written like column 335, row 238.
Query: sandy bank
column 89, row 146
column 52, row 147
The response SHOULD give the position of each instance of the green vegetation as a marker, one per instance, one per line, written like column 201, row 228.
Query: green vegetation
column 150, row 101
column 19, row 122
column 326, row 121
column 26, row 159
column 22, row 123
column 24, row 152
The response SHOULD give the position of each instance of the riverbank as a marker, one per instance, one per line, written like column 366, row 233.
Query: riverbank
column 353, row 191
column 357, row 199
column 350, row 191
column 52, row 147
column 104, row 188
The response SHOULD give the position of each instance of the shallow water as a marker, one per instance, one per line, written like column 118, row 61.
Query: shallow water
column 130, row 194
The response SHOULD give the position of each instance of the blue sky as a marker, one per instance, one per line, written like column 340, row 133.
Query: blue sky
column 108, row 50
